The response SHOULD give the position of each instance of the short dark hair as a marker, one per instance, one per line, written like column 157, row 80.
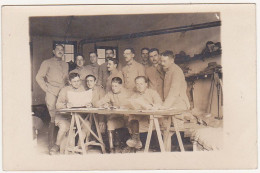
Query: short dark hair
column 79, row 55
column 73, row 75
column 145, row 48
column 168, row 53
column 117, row 80
column 109, row 48
column 58, row 44
column 93, row 52
column 90, row 75
column 141, row 77
column 154, row 49
column 131, row 49
column 115, row 61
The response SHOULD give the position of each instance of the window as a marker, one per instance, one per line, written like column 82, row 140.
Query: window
column 70, row 50
column 101, row 53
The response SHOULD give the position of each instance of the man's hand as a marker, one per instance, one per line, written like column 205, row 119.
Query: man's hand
column 106, row 105
column 89, row 105
column 102, row 127
column 69, row 105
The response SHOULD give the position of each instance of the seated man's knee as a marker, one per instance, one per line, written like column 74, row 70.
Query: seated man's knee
column 64, row 126
column 134, row 126
column 115, row 123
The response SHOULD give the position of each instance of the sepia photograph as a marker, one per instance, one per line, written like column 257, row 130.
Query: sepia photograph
column 154, row 84
column 126, row 83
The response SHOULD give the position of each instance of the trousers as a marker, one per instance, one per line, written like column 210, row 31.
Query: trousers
column 50, row 101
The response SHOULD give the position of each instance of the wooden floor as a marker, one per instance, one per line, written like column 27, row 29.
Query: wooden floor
column 42, row 144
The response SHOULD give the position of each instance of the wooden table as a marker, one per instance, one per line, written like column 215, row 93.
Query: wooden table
column 153, row 114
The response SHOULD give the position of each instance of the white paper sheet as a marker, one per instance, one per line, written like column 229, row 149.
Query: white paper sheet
column 79, row 99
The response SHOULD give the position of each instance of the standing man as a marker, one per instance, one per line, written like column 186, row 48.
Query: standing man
column 145, row 57
column 81, row 69
column 52, row 77
column 154, row 73
column 93, row 66
column 102, row 72
column 112, row 65
column 175, row 85
column 132, row 69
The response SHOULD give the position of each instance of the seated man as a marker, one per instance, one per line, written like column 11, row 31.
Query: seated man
column 63, row 121
column 117, row 98
column 97, row 94
column 143, row 99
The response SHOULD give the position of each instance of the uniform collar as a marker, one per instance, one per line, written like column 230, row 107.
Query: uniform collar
column 132, row 63
column 76, row 89
column 143, row 92
column 94, row 65
column 115, row 71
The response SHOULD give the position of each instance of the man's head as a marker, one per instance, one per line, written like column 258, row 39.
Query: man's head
column 74, row 80
column 144, row 54
column 129, row 54
column 154, row 55
column 109, row 52
column 112, row 64
column 58, row 50
column 80, row 60
column 93, row 57
column 167, row 59
column 116, row 84
column 141, row 83
column 90, row 81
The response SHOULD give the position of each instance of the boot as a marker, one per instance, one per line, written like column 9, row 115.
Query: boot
column 51, row 134
column 135, row 141
column 117, row 147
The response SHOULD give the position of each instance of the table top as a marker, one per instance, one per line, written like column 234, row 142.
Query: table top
column 122, row 111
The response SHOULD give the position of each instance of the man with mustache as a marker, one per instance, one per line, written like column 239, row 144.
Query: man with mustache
column 51, row 77
column 175, row 85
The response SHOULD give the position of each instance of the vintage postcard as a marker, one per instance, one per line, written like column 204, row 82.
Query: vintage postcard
column 129, row 87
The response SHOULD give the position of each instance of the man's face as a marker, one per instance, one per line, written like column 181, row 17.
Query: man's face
column 75, row 82
column 58, row 52
column 128, row 55
column 80, row 61
column 154, row 57
column 144, row 54
column 93, row 58
column 109, row 53
column 90, row 81
column 116, row 87
column 140, row 85
column 166, row 62
column 111, row 66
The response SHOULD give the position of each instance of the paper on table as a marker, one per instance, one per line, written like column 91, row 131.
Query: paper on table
column 79, row 99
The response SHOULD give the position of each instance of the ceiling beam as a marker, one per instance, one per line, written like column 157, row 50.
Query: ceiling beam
column 152, row 33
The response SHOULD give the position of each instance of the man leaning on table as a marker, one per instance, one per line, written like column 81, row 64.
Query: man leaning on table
column 143, row 99
column 61, row 120
column 175, row 85
column 97, row 94
column 116, row 98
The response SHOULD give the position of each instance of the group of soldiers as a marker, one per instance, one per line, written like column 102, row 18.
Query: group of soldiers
column 155, row 83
